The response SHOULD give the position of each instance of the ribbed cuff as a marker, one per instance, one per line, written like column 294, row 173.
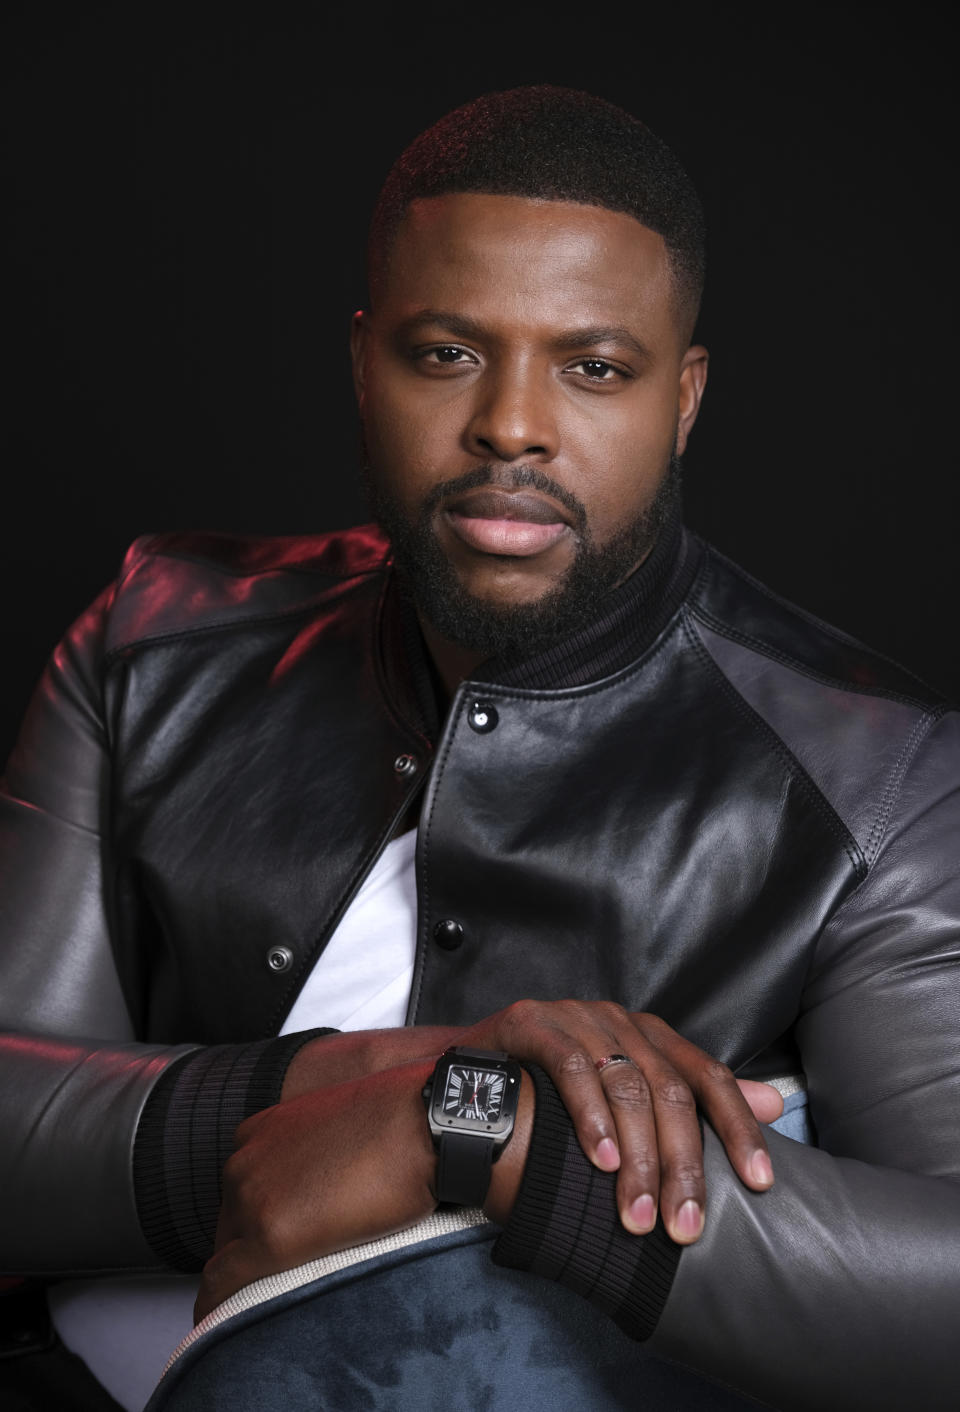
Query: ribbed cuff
column 186, row 1134
column 565, row 1225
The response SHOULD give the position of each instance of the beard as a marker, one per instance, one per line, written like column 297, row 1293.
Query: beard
column 501, row 629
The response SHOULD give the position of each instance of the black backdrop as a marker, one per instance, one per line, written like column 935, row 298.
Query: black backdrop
column 186, row 198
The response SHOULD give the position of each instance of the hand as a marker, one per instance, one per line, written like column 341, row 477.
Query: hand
column 640, row 1117
column 322, row 1172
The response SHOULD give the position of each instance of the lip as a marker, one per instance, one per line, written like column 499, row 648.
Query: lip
column 519, row 524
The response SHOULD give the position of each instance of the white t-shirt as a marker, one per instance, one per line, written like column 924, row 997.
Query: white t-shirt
column 125, row 1328
column 362, row 981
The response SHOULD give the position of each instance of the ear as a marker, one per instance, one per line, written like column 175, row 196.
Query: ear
column 693, row 380
column 359, row 328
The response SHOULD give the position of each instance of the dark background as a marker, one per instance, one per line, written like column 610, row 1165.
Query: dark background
column 186, row 196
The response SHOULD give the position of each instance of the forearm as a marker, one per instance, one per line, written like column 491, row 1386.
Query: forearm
column 69, row 1112
column 112, row 1153
column 864, row 1260
column 838, row 1287
column 186, row 1133
column 860, row 1263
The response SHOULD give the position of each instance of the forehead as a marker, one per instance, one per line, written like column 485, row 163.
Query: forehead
column 509, row 258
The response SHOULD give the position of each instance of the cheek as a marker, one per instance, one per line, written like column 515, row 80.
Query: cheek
column 637, row 425
column 625, row 467
column 622, row 500
column 407, row 411
column 404, row 447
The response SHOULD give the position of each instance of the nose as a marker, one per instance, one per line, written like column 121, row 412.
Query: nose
column 513, row 416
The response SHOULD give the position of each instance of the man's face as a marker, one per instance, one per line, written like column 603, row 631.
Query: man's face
column 524, row 385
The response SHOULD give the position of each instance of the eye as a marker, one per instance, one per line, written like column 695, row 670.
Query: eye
column 446, row 355
column 598, row 370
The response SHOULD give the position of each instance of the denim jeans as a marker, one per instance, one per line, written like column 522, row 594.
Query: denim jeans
column 436, row 1325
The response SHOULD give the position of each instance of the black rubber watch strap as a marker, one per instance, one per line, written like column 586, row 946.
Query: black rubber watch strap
column 463, row 1168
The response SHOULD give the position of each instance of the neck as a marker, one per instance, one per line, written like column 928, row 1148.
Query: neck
column 453, row 663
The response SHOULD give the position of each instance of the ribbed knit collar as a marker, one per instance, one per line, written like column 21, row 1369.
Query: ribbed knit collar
column 632, row 616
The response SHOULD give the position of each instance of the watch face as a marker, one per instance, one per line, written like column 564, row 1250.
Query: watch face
column 475, row 1094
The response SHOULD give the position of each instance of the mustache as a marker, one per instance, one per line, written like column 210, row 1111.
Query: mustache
column 508, row 478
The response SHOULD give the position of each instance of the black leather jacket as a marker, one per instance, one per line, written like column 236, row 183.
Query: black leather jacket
column 749, row 828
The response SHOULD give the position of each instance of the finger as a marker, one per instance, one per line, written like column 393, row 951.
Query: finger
column 224, row 1273
column 573, row 1071
column 721, row 1101
column 638, row 1182
column 566, row 1052
column 682, row 1182
column 732, row 1119
column 661, row 1151
column 766, row 1104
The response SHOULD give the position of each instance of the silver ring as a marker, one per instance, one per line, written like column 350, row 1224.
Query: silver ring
column 601, row 1064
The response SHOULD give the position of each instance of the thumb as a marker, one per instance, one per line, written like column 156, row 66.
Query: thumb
column 764, row 1100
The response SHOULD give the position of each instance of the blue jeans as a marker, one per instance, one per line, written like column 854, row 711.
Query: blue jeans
column 436, row 1325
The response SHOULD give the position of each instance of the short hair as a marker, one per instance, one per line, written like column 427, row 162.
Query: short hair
column 552, row 144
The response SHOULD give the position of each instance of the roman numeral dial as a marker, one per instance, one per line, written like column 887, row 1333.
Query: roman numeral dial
column 474, row 1094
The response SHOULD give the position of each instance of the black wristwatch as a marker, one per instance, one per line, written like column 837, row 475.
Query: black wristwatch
column 471, row 1099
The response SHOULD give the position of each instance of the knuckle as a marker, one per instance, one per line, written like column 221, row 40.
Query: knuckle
column 234, row 1173
column 521, row 1012
column 627, row 1090
column 687, row 1174
column 244, row 1131
column 577, row 1015
column 651, row 1026
column 574, row 1063
column 266, row 1219
column 611, row 1012
column 646, row 1166
column 520, row 1023
column 674, row 1093
column 718, row 1073
column 279, row 1238
column 250, row 1197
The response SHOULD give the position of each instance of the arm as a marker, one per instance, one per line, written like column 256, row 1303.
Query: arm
column 76, row 1082
column 114, row 1147
column 836, row 1288
column 840, row 1286
column 63, row 1098
column 638, row 1120
column 337, row 1163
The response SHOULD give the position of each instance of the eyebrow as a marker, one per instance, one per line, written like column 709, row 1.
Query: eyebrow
column 462, row 327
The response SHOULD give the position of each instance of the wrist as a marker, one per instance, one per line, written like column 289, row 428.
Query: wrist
column 508, row 1171
column 471, row 1101
column 420, row 1150
column 338, row 1056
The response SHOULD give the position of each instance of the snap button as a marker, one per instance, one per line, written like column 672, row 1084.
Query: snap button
column 405, row 765
column 448, row 934
column 279, row 958
column 482, row 717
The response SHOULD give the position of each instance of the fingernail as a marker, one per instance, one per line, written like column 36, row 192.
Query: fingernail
column 608, row 1158
column 641, row 1215
column 689, row 1220
column 760, row 1168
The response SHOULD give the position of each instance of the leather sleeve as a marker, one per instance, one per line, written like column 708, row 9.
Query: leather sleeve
column 69, row 1106
column 839, row 1287
column 112, row 1149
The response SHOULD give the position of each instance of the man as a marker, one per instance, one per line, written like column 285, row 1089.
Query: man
column 628, row 775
